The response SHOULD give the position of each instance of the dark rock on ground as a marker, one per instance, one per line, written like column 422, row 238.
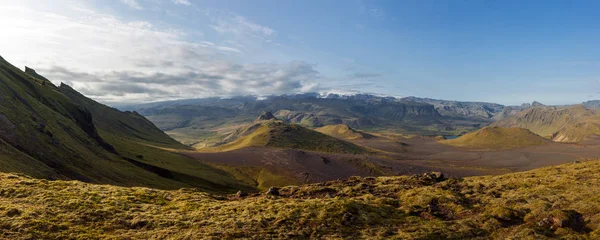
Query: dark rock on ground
column 273, row 191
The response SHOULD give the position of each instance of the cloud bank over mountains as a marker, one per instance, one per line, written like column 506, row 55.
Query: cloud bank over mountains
column 114, row 60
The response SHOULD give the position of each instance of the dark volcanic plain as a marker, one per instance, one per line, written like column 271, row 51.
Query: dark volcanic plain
column 394, row 155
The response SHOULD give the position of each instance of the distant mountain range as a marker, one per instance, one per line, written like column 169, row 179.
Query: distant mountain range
column 205, row 122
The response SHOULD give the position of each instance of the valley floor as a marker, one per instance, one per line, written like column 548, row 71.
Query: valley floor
column 265, row 167
column 551, row 202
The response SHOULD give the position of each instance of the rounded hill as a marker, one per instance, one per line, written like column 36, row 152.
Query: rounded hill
column 343, row 131
column 497, row 138
column 276, row 133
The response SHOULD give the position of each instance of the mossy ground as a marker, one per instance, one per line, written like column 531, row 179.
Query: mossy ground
column 552, row 202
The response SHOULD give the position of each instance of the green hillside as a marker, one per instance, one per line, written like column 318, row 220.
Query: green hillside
column 56, row 133
column 497, row 138
column 559, row 202
column 275, row 133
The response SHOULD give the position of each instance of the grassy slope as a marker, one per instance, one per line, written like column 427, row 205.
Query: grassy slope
column 277, row 134
column 572, row 124
column 497, row 138
column 343, row 131
column 548, row 203
column 46, row 133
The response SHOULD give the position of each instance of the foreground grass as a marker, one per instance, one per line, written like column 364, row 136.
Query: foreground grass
column 552, row 202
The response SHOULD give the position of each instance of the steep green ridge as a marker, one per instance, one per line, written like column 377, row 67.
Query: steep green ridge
column 561, row 124
column 559, row 202
column 497, row 138
column 125, row 124
column 271, row 132
column 57, row 133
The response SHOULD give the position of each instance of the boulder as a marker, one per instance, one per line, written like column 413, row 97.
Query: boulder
column 241, row 194
column 273, row 191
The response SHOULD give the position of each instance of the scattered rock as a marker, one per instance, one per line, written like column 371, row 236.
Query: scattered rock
column 13, row 212
column 241, row 194
column 348, row 218
column 431, row 176
column 437, row 175
column 137, row 224
column 563, row 219
column 273, row 191
column 507, row 216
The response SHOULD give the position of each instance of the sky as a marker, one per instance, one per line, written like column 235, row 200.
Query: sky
column 136, row 51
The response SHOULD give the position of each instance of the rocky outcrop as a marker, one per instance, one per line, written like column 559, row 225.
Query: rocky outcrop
column 267, row 115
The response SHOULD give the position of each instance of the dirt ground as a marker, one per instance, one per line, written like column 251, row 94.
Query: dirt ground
column 401, row 156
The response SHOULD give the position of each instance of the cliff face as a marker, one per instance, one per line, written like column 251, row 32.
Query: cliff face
column 481, row 110
column 561, row 124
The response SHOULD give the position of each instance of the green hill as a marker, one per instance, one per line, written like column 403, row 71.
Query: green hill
column 56, row 133
column 271, row 132
column 561, row 124
column 559, row 202
column 497, row 138
column 343, row 131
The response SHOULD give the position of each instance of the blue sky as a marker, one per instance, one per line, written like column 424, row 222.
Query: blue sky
column 507, row 52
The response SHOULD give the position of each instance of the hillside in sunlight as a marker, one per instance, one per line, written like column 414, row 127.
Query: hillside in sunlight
column 56, row 133
column 267, row 131
column 548, row 203
column 560, row 124
column 497, row 138
column 343, row 131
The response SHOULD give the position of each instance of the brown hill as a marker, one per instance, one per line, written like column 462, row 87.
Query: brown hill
column 497, row 138
column 560, row 124
column 277, row 134
column 343, row 131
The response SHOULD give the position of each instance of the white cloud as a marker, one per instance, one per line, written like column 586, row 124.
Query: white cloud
column 113, row 60
column 229, row 23
column 132, row 4
column 182, row 2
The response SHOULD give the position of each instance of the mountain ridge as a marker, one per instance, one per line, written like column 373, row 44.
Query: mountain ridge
column 561, row 124
column 56, row 133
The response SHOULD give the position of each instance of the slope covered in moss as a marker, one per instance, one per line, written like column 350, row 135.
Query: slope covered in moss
column 547, row 203
column 56, row 133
